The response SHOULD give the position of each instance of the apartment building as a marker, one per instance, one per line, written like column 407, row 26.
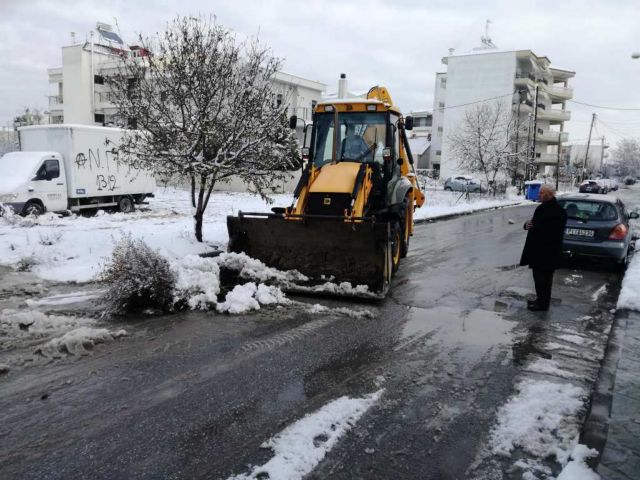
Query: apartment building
column 525, row 83
column 78, row 93
column 420, row 138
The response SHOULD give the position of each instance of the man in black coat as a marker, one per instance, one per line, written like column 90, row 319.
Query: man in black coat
column 543, row 247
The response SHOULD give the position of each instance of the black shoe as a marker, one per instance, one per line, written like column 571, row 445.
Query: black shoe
column 536, row 307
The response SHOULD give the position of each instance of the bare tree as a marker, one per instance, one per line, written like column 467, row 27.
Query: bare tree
column 486, row 142
column 626, row 157
column 202, row 108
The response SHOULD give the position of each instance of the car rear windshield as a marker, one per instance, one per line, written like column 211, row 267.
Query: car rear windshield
column 588, row 210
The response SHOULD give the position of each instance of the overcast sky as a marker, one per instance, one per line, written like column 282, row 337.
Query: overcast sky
column 394, row 43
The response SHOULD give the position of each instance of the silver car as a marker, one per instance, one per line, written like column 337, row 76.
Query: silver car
column 464, row 183
column 597, row 227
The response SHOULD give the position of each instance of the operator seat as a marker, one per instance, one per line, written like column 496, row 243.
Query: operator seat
column 354, row 148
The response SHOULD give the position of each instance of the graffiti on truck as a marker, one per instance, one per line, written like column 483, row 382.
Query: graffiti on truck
column 105, row 163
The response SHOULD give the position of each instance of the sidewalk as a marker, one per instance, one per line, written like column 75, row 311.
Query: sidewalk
column 621, row 456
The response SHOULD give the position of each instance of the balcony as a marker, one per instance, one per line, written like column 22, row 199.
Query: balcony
column 554, row 115
column 557, row 92
column 552, row 137
column 544, row 158
column 103, row 100
column 55, row 100
column 524, row 80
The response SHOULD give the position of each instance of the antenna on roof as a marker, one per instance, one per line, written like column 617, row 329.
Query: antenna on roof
column 73, row 38
column 485, row 39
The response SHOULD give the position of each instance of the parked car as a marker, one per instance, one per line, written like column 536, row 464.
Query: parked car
column 591, row 186
column 464, row 183
column 629, row 180
column 597, row 227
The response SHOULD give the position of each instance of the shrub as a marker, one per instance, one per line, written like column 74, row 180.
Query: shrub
column 138, row 279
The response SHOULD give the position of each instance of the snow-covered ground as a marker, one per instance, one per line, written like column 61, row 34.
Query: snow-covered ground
column 72, row 249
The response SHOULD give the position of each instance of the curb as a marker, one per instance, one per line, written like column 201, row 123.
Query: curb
column 448, row 216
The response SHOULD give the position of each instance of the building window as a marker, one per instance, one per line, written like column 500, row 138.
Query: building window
column 313, row 104
column 278, row 100
column 98, row 118
column 98, row 79
column 443, row 82
column 439, row 129
column 441, row 105
column 438, row 153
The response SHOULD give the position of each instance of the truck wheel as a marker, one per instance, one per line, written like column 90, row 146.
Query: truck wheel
column 32, row 208
column 125, row 205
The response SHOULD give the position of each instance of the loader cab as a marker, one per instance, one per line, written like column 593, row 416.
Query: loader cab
column 364, row 132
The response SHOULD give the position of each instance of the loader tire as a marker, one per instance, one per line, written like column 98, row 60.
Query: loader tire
column 407, row 221
column 396, row 246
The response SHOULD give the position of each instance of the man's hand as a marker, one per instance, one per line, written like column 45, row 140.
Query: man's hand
column 528, row 225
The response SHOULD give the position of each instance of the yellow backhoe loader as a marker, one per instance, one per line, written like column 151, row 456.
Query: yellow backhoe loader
column 352, row 215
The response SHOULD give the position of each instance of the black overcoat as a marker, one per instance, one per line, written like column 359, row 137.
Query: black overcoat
column 543, row 246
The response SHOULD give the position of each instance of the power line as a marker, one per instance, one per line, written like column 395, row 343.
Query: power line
column 477, row 101
column 606, row 108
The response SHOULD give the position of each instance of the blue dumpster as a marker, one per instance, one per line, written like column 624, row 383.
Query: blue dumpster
column 532, row 189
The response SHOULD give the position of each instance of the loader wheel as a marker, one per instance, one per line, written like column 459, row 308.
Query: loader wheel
column 396, row 246
column 406, row 231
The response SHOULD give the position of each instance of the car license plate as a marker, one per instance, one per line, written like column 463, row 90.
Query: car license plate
column 578, row 232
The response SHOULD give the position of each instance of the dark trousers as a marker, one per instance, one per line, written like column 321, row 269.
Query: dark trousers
column 543, row 280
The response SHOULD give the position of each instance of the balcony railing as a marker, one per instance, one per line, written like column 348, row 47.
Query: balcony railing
column 559, row 91
column 103, row 97
column 549, row 136
column 55, row 100
column 544, row 158
column 554, row 115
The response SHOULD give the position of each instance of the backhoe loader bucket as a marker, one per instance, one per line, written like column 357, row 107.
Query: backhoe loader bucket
column 322, row 249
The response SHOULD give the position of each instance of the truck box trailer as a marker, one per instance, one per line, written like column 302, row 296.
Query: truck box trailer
column 71, row 167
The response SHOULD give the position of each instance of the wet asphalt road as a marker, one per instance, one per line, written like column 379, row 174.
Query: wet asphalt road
column 195, row 395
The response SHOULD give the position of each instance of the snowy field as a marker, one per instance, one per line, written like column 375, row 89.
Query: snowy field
column 72, row 249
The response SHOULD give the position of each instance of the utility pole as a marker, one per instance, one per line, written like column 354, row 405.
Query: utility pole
column 602, row 158
column 586, row 155
column 535, row 132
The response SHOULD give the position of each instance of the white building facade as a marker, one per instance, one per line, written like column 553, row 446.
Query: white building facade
column 78, row 93
column 523, row 82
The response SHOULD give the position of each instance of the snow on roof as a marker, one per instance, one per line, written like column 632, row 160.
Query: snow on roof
column 419, row 145
column 330, row 101
column 70, row 126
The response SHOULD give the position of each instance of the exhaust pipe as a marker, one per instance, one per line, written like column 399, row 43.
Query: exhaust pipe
column 342, row 86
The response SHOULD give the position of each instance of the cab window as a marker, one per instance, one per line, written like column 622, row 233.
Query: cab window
column 49, row 170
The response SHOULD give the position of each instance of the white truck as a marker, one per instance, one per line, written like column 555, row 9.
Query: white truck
column 70, row 167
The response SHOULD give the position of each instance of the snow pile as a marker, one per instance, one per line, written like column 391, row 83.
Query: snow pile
column 247, row 297
column 78, row 341
column 302, row 445
column 630, row 293
column 577, row 468
column 317, row 308
column 541, row 419
column 34, row 324
column 252, row 269
column 197, row 281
